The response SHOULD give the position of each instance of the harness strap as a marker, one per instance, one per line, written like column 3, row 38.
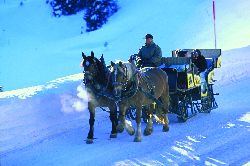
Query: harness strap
column 146, row 80
column 130, row 93
column 104, row 109
column 157, row 101
column 149, row 95
column 109, row 75
column 99, row 93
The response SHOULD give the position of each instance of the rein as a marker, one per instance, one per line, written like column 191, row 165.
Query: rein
column 93, row 83
column 133, row 89
column 100, row 92
column 136, row 82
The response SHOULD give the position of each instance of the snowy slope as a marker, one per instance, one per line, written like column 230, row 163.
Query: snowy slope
column 49, row 126
column 30, row 44
column 47, row 123
column 33, row 43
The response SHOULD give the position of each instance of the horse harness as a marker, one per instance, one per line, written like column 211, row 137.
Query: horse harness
column 135, row 87
column 129, row 89
column 95, row 87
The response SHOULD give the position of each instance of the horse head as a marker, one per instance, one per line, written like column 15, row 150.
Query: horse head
column 94, row 69
column 123, row 75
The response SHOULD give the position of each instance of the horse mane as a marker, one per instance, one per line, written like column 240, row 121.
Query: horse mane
column 102, row 70
column 131, row 69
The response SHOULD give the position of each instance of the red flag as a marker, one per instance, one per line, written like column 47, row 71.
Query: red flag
column 214, row 25
column 214, row 9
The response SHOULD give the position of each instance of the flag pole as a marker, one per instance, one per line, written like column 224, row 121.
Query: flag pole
column 215, row 44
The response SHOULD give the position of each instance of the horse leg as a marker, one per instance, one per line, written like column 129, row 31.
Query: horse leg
column 120, row 127
column 130, row 130
column 149, row 128
column 91, row 123
column 165, row 101
column 138, row 122
column 114, row 121
column 165, row 127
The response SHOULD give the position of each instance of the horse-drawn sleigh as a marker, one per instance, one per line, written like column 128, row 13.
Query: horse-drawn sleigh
column 186, row 97
column 148, row 92
column 185, row 85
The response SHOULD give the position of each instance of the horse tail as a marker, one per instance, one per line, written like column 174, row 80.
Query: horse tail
column 165, row 94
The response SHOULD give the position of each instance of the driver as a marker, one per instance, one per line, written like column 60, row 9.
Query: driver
column 150, row 54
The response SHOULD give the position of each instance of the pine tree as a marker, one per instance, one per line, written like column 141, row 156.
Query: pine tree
column 97, row 13
column 67, row 7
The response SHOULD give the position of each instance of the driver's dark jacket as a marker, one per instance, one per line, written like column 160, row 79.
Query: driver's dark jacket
column 150, row 55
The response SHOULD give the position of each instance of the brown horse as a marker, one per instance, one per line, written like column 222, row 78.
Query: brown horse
column 98, row 86
column 140, row 89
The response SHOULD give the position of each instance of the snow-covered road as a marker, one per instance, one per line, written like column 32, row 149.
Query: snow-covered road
column 47, row 128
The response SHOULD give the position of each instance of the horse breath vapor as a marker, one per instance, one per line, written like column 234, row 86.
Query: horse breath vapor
column 70, row 103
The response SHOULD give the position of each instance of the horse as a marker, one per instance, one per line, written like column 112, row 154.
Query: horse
column 140, row 89
column 98, row 86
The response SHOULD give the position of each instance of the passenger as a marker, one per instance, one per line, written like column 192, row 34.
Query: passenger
column 180, row 53
column 201, row 63
column 150, row 54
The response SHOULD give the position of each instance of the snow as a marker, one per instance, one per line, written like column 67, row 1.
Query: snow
column 44, row 122
column 245, row 118
column 32, row 41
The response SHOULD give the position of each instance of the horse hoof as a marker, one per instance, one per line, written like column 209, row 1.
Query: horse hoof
column 165, row 129
column 131, row 132
column 89, row 141
column 137, row 139
column 120, row 128
column 114, row 135
column 147, row 132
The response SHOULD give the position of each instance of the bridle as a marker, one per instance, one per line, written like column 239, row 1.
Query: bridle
column 89, row 74
column 128, row 89
column 92, row 83
column 125, row 76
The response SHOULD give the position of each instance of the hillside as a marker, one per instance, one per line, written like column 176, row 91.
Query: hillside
column 33, row 43
column 43, row 110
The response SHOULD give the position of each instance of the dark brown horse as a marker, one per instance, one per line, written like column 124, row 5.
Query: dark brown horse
column 98, row 86
column 140, row 89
